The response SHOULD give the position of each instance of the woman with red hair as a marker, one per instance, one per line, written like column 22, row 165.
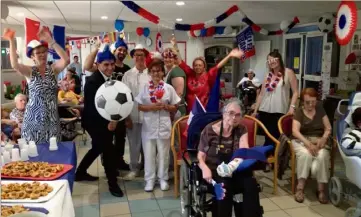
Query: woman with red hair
column 199, row 81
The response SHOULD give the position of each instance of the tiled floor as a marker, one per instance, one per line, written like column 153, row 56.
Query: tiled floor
column 92, row 199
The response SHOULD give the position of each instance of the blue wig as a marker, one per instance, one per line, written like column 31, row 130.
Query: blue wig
column 104, row 54
column 120, row 43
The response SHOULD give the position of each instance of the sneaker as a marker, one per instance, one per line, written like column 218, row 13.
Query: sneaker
column 85, row 177
column 131, row 175
column 164, row 186
column 149, row 186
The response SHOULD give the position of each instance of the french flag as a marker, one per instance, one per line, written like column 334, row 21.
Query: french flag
column 196, row 109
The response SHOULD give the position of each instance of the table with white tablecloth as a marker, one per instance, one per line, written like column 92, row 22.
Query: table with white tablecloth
column 61, row 205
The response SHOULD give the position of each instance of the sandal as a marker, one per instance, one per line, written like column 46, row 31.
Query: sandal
column 299, row 196
column 322, row 198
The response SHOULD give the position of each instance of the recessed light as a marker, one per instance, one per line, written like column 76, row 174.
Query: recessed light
column 179, row 19
column 20, row 14
column 180, row 3
column 104, row 17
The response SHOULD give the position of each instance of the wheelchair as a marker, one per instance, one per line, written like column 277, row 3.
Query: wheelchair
column 341, row 188
column 248, row 96
column 196, row 198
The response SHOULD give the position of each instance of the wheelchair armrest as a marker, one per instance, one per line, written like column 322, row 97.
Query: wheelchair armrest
column 192, row 154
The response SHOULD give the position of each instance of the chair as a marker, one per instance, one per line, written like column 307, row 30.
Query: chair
column 285, row 127
column 178, row 129
column 252, row 125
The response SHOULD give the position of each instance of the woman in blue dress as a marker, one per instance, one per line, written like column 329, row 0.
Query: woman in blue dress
column 41, row 119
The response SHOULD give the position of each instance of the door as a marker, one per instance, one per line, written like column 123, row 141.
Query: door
column 293, row 55
column 313, row 60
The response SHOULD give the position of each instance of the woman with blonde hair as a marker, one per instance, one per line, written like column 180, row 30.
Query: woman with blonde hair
column 199, row 81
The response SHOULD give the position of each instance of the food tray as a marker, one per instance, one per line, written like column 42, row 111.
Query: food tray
column 67, row 168
column 56, row 185
column 34, row 209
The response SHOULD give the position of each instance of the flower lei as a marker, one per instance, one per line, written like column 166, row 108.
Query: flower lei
column 271, row 86
column 156, row 93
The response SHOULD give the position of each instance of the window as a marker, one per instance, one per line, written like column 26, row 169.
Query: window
column 5, row 57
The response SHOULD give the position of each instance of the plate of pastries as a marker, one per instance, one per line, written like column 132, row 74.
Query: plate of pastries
column 34, row 170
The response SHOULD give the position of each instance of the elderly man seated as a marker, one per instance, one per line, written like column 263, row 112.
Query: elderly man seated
column 17, row 114
column 249, row 86
column 218, row 143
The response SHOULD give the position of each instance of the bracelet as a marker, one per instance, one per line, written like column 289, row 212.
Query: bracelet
column 293, row 106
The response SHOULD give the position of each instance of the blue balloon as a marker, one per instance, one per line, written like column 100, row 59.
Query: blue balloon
column 203, row 32
column 219, row 30
column 119, row 25
column 146, row 32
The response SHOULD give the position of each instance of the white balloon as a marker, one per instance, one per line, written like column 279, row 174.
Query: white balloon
column 114, row 100
column 228, row 30
column 284, row 25
column 209, row 23
column 4, row 11
column 197, row 33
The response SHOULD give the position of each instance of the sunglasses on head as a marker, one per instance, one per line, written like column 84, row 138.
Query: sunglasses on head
column 273, row 60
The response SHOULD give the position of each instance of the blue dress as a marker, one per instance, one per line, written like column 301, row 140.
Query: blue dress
column 41, row 118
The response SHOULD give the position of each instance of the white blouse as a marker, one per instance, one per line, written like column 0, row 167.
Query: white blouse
column 136, row 81
column 157, row 124
column 278, row 100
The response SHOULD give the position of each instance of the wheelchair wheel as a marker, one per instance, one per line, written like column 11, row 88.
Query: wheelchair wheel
column 335, row 191
column 184, row 191
column 353, row 212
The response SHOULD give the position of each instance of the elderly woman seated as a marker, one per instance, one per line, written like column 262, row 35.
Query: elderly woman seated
column 9, row 127
column 219, row 140
column 67, row 96
column 311, row 130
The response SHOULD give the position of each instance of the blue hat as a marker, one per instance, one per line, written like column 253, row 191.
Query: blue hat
column 104, row 54
column 119, row 43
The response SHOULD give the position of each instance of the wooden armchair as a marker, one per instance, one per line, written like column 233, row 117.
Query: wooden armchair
column 252, row 125
column 285, row 127
column 177, row 134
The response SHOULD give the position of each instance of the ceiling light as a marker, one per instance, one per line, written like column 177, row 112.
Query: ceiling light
column 20, row 14
column 179, row 19
column 180, row 3
column 104, row 17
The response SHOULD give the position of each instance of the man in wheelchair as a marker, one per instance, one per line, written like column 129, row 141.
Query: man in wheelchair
column 249, row 88
column 218, row 144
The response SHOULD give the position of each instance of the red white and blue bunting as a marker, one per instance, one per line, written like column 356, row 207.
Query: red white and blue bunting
column 207, row 28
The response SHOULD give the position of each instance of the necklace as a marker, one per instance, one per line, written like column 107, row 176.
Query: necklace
column 270, row 86
column 156, row 93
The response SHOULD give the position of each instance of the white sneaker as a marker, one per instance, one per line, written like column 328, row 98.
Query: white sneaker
column 131, row 175
column 164, row 186
column 149, row 186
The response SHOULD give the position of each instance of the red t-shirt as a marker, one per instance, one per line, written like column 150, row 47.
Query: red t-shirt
column 199, row 86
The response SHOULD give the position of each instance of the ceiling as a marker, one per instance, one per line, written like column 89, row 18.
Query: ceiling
column 86, row 15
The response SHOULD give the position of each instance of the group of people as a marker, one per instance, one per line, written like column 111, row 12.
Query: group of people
column 164, row 90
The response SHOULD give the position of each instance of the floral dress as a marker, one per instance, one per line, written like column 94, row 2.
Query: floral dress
column 41, row 119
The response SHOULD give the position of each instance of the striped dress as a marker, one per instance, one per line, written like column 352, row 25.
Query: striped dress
column 41, row 119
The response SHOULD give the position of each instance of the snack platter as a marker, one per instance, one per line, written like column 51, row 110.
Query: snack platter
column 28, row 191
column 8, row 211
column 38, row 171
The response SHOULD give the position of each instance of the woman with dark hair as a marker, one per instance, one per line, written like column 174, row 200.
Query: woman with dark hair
column 41, row 120
column 156, row 101
column 311, row 130
column 199, row 81
column 274, row 99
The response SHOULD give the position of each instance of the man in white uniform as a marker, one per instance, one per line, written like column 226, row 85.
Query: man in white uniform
column 136, row 78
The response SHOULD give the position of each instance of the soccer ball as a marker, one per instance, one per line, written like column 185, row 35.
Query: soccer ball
column 114, row 100
column 326, row 23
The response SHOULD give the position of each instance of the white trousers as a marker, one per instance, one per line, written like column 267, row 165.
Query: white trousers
column 152, row 161
column 305, row 160
column 135, row 144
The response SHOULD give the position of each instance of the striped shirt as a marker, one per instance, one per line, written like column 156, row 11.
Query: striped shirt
column 352, row 140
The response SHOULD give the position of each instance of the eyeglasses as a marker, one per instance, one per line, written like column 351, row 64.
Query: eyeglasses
column 273, row 60
column 233, row 114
